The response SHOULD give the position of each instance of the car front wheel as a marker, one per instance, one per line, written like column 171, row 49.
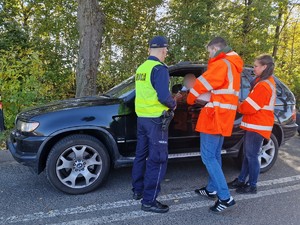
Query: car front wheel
column 77, row 164
column 268, row 153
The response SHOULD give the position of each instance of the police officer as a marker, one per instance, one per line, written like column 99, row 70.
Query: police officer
column 152, row 98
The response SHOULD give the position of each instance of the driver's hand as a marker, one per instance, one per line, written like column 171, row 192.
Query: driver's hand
column 178, row 96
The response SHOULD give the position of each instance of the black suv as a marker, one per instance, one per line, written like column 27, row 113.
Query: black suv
column 79, row 140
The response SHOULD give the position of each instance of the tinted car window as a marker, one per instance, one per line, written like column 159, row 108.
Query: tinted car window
column 123, row 89
column 176, row 84
column 247, row 77
column 245, row 87
column 282, row 91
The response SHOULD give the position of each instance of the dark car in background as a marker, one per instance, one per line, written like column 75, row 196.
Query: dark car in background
column 78, row 141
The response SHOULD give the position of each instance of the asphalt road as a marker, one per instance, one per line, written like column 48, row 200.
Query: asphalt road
column 26, row 198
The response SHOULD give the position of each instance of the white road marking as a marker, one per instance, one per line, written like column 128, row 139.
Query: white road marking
column 87, row 209
column 127, row 203
column 279, row 181
column 176, row 208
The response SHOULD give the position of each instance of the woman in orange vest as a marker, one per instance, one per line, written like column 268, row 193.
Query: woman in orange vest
column 258, row 120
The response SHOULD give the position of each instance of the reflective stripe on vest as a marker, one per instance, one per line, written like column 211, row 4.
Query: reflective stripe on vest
column 273, row 98
column 252, row 103
column 194, row 92
column 225, row 91
column 228, row 91
column 205, row 83
column 269, row 107
column 257, row 127
column 229, row 74
column 221, row 105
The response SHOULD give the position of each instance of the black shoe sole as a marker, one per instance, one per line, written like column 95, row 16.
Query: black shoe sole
column 236, row 185
column 246, row 190
column 137, row 198
column 232, row 187
column 154, row 210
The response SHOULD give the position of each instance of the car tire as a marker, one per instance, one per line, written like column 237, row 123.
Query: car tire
column 267, row 156
column 77, row 164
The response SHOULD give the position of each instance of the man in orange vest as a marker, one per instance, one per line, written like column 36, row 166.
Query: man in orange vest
column 222, row 80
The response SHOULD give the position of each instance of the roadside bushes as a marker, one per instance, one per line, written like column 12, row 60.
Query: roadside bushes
column 24, row 82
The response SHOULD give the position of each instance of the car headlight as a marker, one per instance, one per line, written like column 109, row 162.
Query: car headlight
column 26, row 126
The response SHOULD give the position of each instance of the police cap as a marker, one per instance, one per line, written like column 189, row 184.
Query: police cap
column 158, row 42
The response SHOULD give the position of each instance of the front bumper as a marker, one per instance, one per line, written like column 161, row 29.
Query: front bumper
column 24, row 149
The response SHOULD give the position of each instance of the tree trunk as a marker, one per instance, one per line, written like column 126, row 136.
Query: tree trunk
column 284, row 9
column 90, row 20
column 277, row 32
column 246, row 27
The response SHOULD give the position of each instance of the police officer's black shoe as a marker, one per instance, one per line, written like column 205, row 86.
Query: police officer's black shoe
column 157, row 208
column 137, row 196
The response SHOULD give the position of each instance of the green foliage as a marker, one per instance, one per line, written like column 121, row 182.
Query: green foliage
column 288, row 62
column 24, row 82
column 248, row 26
column 12, row 35
column 188, row 24
column 20, row 75
column 128, row 27
column 39, row 41
column 38, row 44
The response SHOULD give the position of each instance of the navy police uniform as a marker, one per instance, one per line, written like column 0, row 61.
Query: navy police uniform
column 152, row 98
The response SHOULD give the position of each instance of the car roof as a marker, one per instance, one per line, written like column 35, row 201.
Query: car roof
column 197, row 68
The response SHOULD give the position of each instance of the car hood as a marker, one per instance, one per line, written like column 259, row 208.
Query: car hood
column 68, row 104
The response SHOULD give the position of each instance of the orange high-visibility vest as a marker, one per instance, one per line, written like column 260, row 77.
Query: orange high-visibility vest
column 258, row 108
column 222, row 79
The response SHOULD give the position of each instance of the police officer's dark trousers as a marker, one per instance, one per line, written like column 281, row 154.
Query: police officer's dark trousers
column 150, row 163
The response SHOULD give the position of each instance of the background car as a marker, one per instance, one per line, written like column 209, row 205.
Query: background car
column 79, row 140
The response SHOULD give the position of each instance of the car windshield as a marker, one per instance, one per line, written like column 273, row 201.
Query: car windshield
column 121, row 90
